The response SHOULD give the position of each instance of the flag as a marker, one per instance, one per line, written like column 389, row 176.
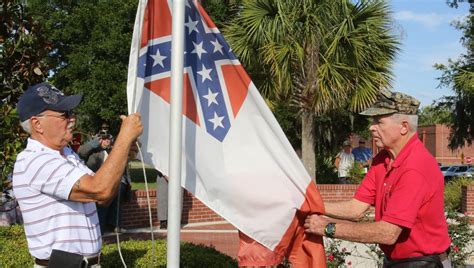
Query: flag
column 236, row 159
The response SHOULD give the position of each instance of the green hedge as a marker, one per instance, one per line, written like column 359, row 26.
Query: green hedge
column 136, row 172
column 14, row 253
column 453, row 193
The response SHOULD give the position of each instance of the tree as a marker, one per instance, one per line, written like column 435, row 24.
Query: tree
column 434, row 114
column 321, row 55
column 221, row 11
column 91, row 42
column 22, row 52
column 459, row 75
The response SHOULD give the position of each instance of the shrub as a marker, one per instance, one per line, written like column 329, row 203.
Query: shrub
column 335, row 255
column 453, row 192
column 461, row 237
column 356, row 173
column 375, row 253
column 14, row 253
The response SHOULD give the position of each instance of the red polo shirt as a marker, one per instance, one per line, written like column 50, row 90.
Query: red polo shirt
column 408, row 192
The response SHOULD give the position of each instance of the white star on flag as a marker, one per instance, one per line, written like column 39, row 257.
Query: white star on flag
column 205, row 73
column 158, row 59
column 211, row 97
column 217, row 121
column 198, row 49
column 192, row 25
column 217, row 46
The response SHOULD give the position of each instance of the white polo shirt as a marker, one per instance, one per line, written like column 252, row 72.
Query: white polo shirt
column 42, row 182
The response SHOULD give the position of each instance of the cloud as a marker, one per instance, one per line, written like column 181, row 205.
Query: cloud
column 430, row 20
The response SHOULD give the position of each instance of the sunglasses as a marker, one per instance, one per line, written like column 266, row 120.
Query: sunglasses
column 65, row 115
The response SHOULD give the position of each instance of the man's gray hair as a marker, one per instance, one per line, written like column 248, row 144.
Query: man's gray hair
column 412, row 120
column 26, row 125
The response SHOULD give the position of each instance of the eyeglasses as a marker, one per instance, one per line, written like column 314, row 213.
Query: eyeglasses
column 65, row 115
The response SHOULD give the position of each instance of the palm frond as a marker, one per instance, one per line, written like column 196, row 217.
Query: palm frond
column 324, row 54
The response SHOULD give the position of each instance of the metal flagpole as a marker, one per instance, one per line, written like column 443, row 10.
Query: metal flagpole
column 175, row 192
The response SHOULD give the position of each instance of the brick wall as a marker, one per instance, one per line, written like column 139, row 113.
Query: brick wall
column 336, row 192
column 135, row 213
column 468, row 200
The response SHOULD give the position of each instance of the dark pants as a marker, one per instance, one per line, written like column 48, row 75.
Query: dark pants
column 111, row 216
column 344, row 180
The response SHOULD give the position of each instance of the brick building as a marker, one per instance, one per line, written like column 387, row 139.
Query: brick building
column 436, row 140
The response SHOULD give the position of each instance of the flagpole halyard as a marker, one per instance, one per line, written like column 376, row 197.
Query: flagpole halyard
column 175, row 192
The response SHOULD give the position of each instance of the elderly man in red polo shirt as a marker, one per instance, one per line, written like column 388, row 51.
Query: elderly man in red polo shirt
column 406, row 187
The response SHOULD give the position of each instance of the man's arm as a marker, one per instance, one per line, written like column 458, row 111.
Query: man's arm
column 337, row 161
column 352, row 210
column 380, row 232
column 104, row 185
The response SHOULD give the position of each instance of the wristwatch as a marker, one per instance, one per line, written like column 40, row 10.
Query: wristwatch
column 330, row 230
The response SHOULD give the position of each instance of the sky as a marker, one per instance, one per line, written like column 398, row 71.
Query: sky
column 427, row 37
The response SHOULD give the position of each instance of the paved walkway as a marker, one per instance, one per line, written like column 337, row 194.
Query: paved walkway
column 220, row 235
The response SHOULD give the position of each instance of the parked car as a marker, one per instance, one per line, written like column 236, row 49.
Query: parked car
column 469, row 173
column 444, row 169
column 455, row 169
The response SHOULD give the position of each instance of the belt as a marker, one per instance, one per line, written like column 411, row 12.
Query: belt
column 434, row 258
column 91, row 261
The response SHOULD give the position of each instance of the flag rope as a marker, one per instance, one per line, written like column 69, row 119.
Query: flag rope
column 117, row 226
column 132, row 109
column 149, row 205
column 153, row 251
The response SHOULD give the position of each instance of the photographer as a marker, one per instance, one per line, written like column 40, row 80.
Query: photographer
column 94, row 153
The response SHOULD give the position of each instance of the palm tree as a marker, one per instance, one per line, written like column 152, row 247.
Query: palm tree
column 320, row 54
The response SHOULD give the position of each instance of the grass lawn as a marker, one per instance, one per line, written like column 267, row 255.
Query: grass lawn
column 14, row 253
column 141, row 185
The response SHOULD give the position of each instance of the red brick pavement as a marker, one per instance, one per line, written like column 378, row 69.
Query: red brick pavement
column 222, row 237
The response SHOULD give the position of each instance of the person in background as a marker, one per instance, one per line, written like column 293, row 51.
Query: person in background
column 162, row 195
column 104, row 128
column 344, row 162
column 94, row 153
column 363, row 155
column 406, row 187
column 56, row 192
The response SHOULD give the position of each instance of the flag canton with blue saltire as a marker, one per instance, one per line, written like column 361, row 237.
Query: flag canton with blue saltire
column 205, row 52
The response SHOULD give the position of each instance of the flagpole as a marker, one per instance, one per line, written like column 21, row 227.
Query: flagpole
column 175, row 192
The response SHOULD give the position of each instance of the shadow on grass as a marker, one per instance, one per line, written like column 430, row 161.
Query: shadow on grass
column 136, row 172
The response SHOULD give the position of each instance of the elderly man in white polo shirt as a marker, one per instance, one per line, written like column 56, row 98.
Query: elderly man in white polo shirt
column 55, row 190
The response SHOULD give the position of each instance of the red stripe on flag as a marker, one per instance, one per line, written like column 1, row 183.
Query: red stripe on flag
column 156, row 21
column 302, row 250
column 237, row 82
column 161, row 87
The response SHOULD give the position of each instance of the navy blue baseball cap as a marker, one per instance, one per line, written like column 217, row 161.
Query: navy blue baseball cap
column 41, row 97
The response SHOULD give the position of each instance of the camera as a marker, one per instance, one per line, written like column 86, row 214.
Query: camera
column 103, row 134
